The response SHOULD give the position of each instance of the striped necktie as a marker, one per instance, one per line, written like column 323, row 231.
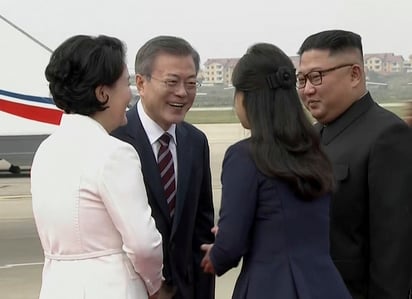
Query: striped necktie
column 167, row 171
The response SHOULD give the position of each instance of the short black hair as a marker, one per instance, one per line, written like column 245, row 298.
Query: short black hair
column 163, row 44
column 335, row 41
column 78, row 66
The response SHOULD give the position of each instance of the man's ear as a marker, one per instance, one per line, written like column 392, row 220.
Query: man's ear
column 101, row 94
column 357, row 74
column 140, row 82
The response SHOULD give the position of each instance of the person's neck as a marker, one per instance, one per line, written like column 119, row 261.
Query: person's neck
column 360, row 94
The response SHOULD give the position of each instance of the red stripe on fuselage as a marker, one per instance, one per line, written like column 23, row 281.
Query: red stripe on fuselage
column 41, row 114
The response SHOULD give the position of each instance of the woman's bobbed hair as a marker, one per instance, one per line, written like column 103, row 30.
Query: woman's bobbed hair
column 81, row 64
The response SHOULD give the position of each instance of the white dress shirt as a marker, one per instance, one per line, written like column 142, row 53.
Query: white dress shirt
column 154, row 132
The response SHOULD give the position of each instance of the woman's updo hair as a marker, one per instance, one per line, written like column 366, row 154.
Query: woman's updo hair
column 78, row 66
column 283, row 142
column 264, row 66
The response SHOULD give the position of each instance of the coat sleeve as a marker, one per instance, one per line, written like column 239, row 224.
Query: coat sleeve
column 237, row 211
column 390, row 202
column 124, row 195
column 204, row 282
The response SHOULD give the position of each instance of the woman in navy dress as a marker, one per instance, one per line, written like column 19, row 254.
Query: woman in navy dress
column 276, row 189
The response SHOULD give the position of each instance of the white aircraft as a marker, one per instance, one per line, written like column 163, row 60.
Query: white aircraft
column 27, row 113
column 25, row 121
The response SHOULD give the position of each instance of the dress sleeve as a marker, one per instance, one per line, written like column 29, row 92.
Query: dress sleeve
column 239, row 195
column 204, row 286
column 124, row 195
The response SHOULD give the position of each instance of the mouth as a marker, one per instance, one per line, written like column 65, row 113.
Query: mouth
column 176, row 105
column 312, row 102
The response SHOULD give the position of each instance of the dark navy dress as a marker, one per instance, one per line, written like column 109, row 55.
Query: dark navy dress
column 284, row 240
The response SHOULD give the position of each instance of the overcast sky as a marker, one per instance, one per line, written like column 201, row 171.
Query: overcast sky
column 216, row 28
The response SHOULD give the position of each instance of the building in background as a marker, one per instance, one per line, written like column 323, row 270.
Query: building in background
column 384, row 63
column 219, row 70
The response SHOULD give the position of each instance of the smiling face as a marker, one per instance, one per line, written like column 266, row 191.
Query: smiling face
column 339, row 88
column 166, row 104
column 119, row 96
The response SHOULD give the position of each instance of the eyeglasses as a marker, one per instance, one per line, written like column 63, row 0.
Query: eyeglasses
column 172, row 84
column 315, row 77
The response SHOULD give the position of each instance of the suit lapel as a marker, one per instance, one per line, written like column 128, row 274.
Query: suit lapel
column 358, row 108
column 184, row 162
column 150, row 169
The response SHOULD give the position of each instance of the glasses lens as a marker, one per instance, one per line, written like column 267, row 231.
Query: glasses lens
column 301, row 81
column 315, row 78
column 191, row 85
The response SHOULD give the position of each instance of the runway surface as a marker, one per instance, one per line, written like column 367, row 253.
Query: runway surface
column 21, row 256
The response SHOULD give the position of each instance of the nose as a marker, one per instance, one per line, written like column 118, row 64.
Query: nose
column 308, row 89
column 180, row 90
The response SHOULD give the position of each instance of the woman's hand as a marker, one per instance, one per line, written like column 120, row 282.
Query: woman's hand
column 215, row 230
column 154, row 296
column 206, row 263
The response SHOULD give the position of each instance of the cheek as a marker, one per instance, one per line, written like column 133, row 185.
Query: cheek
column 241, row 114
column 329, row 98
column 192, row 98
column 128, row 96
column 301, row 95
column 238, row 111
column 303, row 100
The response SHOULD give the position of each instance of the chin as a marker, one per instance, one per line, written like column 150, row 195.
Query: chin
column 177, row 118
column 124, row 121
column 315, row 113
column 245, row 125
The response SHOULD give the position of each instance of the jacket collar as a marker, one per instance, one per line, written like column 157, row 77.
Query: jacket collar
column 358, row 108
column 184, row 152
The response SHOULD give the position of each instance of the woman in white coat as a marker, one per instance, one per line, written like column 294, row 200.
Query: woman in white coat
column 89, row 199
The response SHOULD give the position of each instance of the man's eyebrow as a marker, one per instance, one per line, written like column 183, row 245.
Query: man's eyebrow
column 178, row 77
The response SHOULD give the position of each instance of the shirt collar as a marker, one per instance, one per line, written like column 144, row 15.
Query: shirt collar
column 153, row 130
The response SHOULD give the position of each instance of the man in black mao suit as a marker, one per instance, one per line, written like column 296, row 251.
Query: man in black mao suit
column 166, row 69
column 371, row 152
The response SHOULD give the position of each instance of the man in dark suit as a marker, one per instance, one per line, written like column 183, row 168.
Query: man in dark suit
column 370, row 148
column 166, row 70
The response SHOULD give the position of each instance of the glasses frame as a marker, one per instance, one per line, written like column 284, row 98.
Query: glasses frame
column 321, row 75
column 172, row 85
